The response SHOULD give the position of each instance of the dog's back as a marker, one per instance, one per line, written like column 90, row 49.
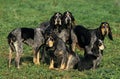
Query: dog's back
column 83, row 35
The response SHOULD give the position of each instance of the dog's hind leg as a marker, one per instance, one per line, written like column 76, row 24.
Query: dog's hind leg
column 10, row 56
column 62, row 66
column 69, row 62
column 36, row 56
column 74, row 41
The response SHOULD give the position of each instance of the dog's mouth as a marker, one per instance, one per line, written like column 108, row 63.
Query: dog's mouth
column 58, row 22
column 68, row 21
column 101, row 47
column 104, row 31
column 50, row 43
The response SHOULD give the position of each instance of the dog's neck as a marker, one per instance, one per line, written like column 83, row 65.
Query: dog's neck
column 57, row 28
column 68, row 26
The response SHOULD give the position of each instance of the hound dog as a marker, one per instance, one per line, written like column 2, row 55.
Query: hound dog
column 29, row 36
column 59, row 52
column 91, row 61
column 55, row 24
column 67, row 33
column 87, row 37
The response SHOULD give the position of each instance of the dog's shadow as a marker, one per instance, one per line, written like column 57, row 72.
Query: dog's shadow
column 23, row 60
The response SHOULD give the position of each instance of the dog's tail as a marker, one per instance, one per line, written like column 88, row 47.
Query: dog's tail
column 11, row 39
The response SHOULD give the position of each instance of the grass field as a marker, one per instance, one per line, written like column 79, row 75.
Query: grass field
column 30, row 13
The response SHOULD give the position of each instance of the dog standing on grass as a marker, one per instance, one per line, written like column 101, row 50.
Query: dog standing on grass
column 29, row 36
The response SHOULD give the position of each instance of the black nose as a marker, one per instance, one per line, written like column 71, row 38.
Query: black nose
column 68, row 20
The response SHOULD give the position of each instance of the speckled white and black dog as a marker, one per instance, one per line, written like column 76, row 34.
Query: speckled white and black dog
column 29, row 36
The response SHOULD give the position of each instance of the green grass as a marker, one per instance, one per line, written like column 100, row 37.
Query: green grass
column 30, row 13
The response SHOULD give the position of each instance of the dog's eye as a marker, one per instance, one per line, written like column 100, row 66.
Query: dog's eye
column 55, row 17
column 51, row 39
column 103, row 25
column 59, row 15
column 106, row 24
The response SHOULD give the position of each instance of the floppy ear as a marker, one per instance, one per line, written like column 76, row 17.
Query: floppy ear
column 110, row 34
column 52, row 20
column 73, row 19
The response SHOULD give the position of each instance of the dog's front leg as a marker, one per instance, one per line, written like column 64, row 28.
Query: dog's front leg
column 51, row 64
column 69, row 62
column 63, row 63
column 62, row 66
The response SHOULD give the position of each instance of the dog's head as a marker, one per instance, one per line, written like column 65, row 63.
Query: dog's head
column 50, row 38
column 106, row 30
column 98, row 47
column 56, row 19
column 100, row 44
column 68, row 18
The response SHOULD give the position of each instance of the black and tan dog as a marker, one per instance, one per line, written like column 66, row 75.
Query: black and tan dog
column 87, row 37
column 54, row 24
column 92, row 61
column 59, row 52
column 67, row 34
column 29, row 36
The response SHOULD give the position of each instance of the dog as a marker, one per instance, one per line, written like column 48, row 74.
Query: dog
column 29, row 36
column 67, row 34
column 92, row 61
column 87, row 37
column 59, row 52
column 54, row 24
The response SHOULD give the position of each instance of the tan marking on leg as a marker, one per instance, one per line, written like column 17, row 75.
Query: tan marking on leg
column 62, row 66
column 51, row 64
column 34, row 58
column 68, row 62
column 38, row 57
